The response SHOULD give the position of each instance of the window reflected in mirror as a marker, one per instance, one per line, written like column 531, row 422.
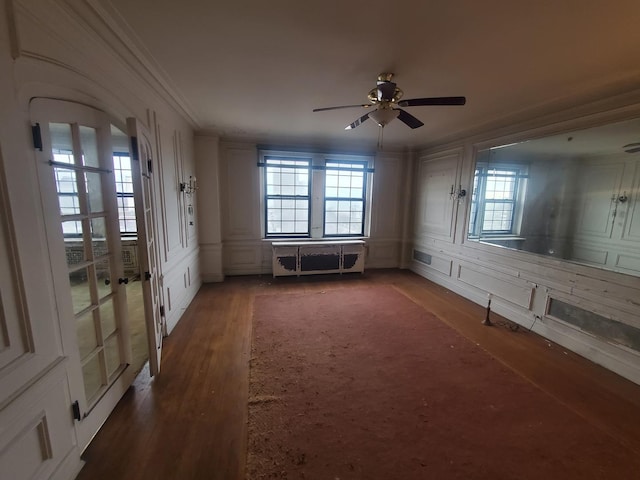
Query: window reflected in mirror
column 572, row 196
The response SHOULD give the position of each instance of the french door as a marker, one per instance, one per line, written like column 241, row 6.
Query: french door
column 78, row 191
column 142, row 169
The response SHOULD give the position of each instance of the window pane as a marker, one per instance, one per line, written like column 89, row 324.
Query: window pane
column 287, row 191
column 497, row 216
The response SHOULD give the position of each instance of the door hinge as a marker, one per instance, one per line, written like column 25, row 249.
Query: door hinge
column 149, row 166
column 134, row 149
column 36, row 133
column 162, row 310
column 147, row 276
column 75, row 407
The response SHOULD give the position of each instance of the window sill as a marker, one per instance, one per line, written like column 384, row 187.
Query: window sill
column 310, row 240
column 498, row 237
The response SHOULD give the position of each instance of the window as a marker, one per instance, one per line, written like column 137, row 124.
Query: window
column 124, row 192
column 315, row 195
column 495, row 204
column 287, row 196
column 344, row 197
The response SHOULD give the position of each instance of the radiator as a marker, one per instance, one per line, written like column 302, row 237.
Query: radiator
column 314, row 257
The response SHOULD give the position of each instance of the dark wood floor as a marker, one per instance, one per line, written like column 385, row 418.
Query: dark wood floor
column 190, row 421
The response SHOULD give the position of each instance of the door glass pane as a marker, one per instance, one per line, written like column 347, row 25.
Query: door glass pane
column 80, row 292
column 112, row 354
column 72, row 228
column 61, row 141
column 99, row 237
column 103, row 272
column 88, row 142
column 107, row 318
column 94, row 191
column 86, row 332
column 149, row 225
column 91, row 373
column 74, row 250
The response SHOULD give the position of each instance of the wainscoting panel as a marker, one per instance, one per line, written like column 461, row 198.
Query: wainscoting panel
column 245, row 258
column 496, row 283
column 180, row 286
column 35, row 439
column 628, row 262
column 589, row 255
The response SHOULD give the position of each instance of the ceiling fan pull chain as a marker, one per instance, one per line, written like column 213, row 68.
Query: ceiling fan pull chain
column 380, row 137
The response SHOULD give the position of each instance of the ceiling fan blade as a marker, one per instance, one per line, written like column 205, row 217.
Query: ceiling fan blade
column 353, row 125
column 386, row 91
column 419, row 102
column 364, row 105
column 408, row 119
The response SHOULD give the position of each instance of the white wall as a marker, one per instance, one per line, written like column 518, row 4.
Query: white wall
column 522, row 284
column 72, row 51
column 233, row 166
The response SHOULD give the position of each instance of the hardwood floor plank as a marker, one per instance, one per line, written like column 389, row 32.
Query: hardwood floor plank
column 190, row 421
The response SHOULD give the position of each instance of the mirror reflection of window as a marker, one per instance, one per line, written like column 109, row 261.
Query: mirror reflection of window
column 573, row 196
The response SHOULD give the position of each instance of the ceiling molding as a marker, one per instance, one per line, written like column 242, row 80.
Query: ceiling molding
column 143, row 62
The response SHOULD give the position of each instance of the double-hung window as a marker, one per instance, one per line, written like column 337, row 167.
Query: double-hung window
column 344, row 198
column 496, row 202
column 315, row 195
column 287, row 187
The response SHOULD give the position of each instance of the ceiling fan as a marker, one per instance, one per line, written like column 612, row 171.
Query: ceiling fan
column 386, row 100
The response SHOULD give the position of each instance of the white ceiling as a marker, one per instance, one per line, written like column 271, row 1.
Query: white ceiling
column 256, row 69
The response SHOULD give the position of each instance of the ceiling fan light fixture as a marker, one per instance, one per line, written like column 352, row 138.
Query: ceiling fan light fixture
column 383, row 116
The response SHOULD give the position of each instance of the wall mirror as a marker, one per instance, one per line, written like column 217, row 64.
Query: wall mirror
column 572, row 196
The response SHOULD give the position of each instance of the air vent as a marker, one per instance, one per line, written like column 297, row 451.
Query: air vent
column 632, row 147
column 610, row 330
column 422, row 257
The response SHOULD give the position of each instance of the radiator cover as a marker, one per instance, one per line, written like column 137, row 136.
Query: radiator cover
column 315, row 257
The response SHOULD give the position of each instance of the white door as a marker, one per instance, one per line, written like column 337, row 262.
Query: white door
column 142, row 169
column 78, row 192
